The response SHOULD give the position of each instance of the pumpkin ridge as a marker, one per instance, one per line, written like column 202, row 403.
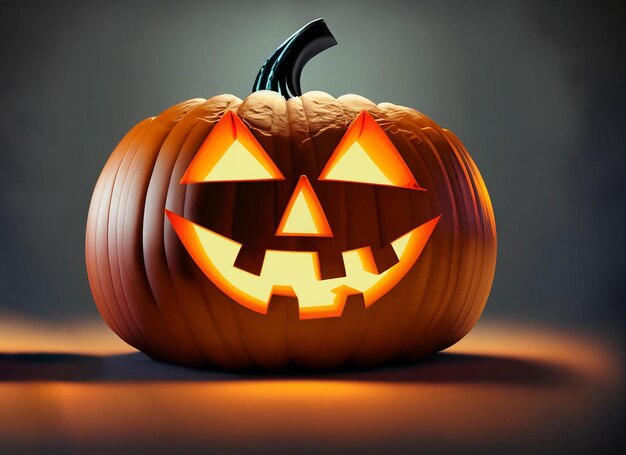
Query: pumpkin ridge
column 425, row 314
column 365, row 319
column 481, row 221
column 475, row 274
column 129, row 248
column 402, row 303
column 466, row 247
column 136, row 269
column 189, row 125
column 159, row 282
column 227, row 350
column 444, row 296
column 131, row 265
column 241, row 347
column 400, row 306
column 417, row 296
column 205, row 302
column 488, row 236
column 113, row 240
column 105, row 180
column 235, row 349
column 293, row 349
column 347, row 333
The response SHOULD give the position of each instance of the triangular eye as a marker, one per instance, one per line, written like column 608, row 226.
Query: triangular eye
column 366, row 155
column 230, row 153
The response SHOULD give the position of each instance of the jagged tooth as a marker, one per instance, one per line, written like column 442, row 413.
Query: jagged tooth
column 331, row 265
column 347, row 297
column 385, row 258
column 354, row 303
column 343, row 295
column 250, row 260
column 283, row 304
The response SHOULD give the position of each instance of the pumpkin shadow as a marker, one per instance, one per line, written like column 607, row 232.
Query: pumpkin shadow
column 137, row 367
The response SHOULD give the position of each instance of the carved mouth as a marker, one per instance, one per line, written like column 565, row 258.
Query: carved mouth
column 297, row 273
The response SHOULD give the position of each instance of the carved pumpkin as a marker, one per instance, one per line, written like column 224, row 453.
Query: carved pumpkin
column 290, row 229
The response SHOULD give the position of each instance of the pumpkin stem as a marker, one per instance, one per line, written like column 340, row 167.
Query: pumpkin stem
column 281, row 71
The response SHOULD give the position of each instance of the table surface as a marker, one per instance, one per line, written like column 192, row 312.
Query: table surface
column 503, row 389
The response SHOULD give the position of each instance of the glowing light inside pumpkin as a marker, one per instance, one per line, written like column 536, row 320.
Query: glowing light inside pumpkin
column 304, row 215
column 366, row 155
column 230, row 153
column 297, row 273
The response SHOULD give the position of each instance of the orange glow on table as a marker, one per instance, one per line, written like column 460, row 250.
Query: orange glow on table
column 500, row 383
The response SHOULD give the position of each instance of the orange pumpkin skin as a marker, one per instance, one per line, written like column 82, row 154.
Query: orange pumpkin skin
column 153, row 295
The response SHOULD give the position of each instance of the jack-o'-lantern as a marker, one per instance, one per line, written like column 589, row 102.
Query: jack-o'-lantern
column 290, row 230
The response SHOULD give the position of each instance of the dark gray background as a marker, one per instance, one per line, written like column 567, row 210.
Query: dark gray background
column 534, row 89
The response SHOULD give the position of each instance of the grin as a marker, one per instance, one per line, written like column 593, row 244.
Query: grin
column 297, row 273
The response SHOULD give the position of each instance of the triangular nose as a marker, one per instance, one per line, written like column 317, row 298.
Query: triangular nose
column 304, row 215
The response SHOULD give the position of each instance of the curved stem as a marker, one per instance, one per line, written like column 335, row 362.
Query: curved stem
column 281, row 71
